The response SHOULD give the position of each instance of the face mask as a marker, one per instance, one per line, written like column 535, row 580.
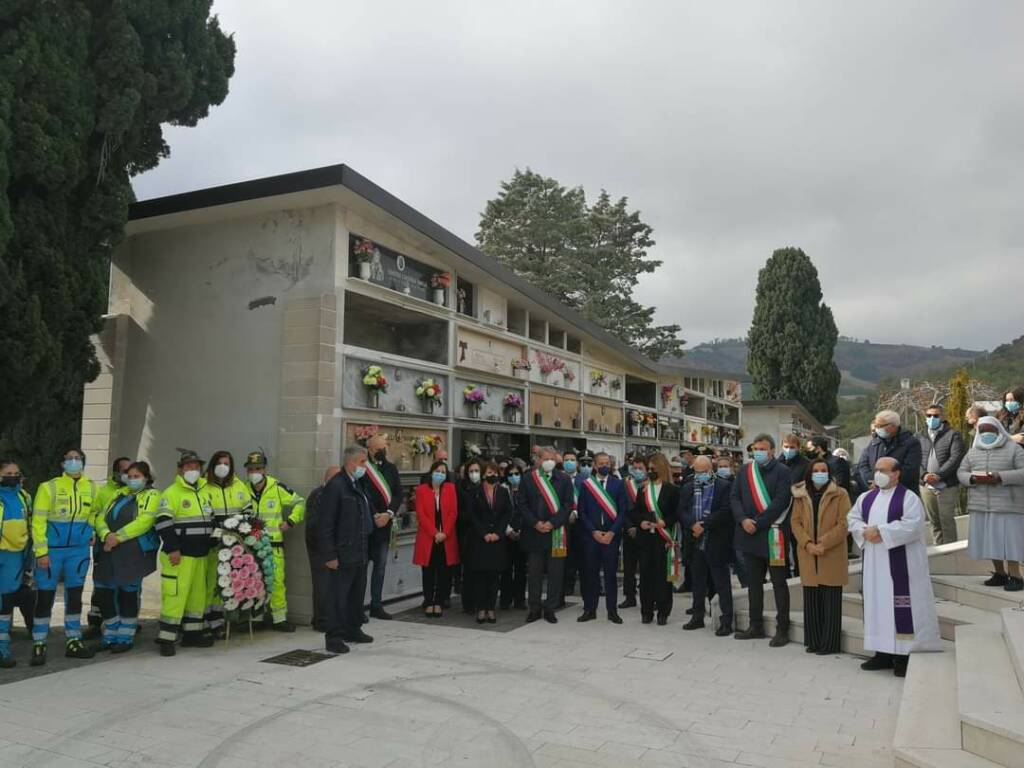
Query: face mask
column 789, row 453
column 933, row 422
column 883, row 433
column 637, row 474
column 1012, row 406
column 222, row 471
column 548, row 465
column 684, row 462
column 491, row 479
column 474, row 476
column 604, row 471
column 380, row 455
column 988, row 438
column 761, row 457
column 820, row 479
column 652, row 475
column 124, row 478
column 192, row 476
column 569, row 466
column 360, row 471
column 513, row 480
column 724, row 472
column 585, row 471
column 439, row 477
column 135, row 483
column 257, row 477
column 882, row 480
column 73, row 466
column 10, row 481
column 703, row 478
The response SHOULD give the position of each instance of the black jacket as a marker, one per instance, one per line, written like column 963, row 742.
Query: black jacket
column 797, row 468
column 777, row 481
column 312, row 519
column 668, row 502
column 343, row 531
column 904, row 447
column 484, row 519
column 719, row 526
column 534, row 509
column 377, row 505
column 949, row 452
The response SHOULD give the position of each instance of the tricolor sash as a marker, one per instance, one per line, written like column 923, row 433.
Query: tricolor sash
column 902, row 612
column 547, row 492
column 759, row 494
column 379, row 482
column 602, row 498
column 673, row 567
column 631, row 489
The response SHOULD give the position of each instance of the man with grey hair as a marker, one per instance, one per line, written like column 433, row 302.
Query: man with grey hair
column 345, row 526
column 891, row 440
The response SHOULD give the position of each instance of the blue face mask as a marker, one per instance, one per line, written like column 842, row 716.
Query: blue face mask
column 988, row 438
column 820, row 479
column 702, row 478
column 933, row 422
column 73, row 466
column 585, row 471
column 683, row 462
column 638, row 474
column 438, row 477
column 135, row 483
column 883, row 433
column 604, row 471
column 513, row 480
column 569, row 466
column 789, row 453
column 1012, row 406
column 360, row 471
column 724, row 472
column 761, row 457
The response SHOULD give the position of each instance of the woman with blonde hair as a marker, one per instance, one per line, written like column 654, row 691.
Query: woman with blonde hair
column 655, row 515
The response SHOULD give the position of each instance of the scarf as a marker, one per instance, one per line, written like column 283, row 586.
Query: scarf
column 761, row 499
column 903, row 614
column 703, row 498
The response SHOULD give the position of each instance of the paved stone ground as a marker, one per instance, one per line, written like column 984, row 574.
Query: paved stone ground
column 561, row 696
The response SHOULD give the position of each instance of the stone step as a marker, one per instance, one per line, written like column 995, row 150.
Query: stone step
column 950, row 614
column 851, row 638
column 1013, row 634
column 919, row 757
column 928, row 716
column 969, row 590
column 989, row 697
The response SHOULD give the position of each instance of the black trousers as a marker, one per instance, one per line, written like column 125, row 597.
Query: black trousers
column 486, row 584
column 630, row 561
column 437, row 577
column 757, row 567
column 574, row 559
column 702, row 571
column 513, row 578
column 655, row 588
column 318, row 578
column 537, row 563
column 346, row 586
column 823, row 618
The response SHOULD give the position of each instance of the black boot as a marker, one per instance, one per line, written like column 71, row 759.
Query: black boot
column 781, row 637
column 697, row 622
column 1013, row 584
column 629, row 602
column 724, row 629
column 878, row 661
column 754, row 632
column 996, row 580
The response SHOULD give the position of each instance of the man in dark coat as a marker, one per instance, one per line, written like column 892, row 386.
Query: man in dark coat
column 942, row 450
column 544, row 513
column 761, row 497
column 891, row 440
column 705, row 510
column 317, row 569
column 603, row 508
column 386, row 494
column 838, row 467
column 345, row 524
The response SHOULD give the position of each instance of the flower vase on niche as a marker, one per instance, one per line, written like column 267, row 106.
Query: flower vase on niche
column 428, row 405
column 364, row 270
column 439, row 296
column 512, row 415
column 373, row 398
column 575, row 422
column 538, row 420
column 474, row 410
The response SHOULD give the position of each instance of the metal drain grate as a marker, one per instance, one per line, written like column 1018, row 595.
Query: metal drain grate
column 637, row 653
column 298, row 658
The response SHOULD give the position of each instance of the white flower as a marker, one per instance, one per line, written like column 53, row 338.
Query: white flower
column 230, row 605
column 247, row 605
column 231, row 523
column 224, row 555
column 228, row 539
column 224, row 581
column 223, row 569
column 244, row 527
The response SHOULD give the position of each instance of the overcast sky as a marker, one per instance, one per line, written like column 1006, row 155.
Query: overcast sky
column 884, row 138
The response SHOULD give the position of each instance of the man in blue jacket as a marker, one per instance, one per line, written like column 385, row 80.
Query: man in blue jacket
column 761, row 497
column 603, row 507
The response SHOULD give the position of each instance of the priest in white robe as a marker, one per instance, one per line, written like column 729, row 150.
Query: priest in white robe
column 887, row 523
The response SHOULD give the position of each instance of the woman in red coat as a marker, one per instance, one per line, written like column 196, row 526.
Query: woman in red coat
column 437, row 549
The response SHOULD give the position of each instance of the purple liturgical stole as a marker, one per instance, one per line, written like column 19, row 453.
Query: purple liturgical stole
column 904, row 616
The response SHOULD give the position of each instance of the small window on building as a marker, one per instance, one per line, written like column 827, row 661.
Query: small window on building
column 464, row 298
column 556, row 337
column 538, row 330
column 573, row 344
column 641, row 392
column 516, row 320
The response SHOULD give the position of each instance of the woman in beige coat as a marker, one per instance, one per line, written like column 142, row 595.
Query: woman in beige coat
column 819, row 527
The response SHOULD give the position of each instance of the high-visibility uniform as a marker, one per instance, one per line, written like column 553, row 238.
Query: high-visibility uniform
column 119, row 602
column 225, row 500
column 15, row 513
column 62, row 529
column 105, row 495
column 275, row 503
column 184, row 523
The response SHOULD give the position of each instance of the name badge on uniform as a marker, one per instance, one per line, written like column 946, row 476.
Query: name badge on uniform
column 270, row 504
column 185, row 504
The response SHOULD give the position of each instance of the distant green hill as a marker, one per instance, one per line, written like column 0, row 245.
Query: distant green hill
column 1002, row 368
column 862, row 363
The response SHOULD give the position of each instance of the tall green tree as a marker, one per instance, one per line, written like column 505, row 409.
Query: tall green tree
column 84, row 88
column 588, row 257
column 793, row 336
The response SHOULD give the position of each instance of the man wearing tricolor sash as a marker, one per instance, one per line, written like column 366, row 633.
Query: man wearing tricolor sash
column 633, row 477
column 547, row 503
column 761, row 497
column 385, row 500
column 887, row 523
column 603, row 509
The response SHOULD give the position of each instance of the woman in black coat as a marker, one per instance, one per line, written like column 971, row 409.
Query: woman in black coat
column 489, row 511
column 655, row 540
column 472, row 475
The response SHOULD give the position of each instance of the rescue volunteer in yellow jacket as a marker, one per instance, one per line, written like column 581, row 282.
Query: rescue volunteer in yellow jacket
column 15, row 513
column 280, row 508
column 61, row 533
column 104, row 498
column 184, row 524
column 229, row 495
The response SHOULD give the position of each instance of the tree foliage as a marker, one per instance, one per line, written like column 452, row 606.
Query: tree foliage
column 793, row 336
column 588, row 257
column 959, row 401
column 84, row 88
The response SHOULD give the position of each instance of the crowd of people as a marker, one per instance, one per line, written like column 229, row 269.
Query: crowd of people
column 507, row 534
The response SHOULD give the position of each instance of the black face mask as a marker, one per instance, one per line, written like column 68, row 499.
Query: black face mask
column 604, row 471
column 652, row 475
column 492, row 479
column 380, row 455
column 12, row 481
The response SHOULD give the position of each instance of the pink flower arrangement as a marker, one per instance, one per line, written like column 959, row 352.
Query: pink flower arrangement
column 364, row 249
column 549, row 363
column 473, row 394
column 512, row 401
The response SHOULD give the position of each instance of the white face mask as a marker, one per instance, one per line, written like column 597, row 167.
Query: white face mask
column 222, row 471
column 882, row 480
column 124, row 478
column 255, row 478
column 192, row 476
column 474, row 476
column 548, row 465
